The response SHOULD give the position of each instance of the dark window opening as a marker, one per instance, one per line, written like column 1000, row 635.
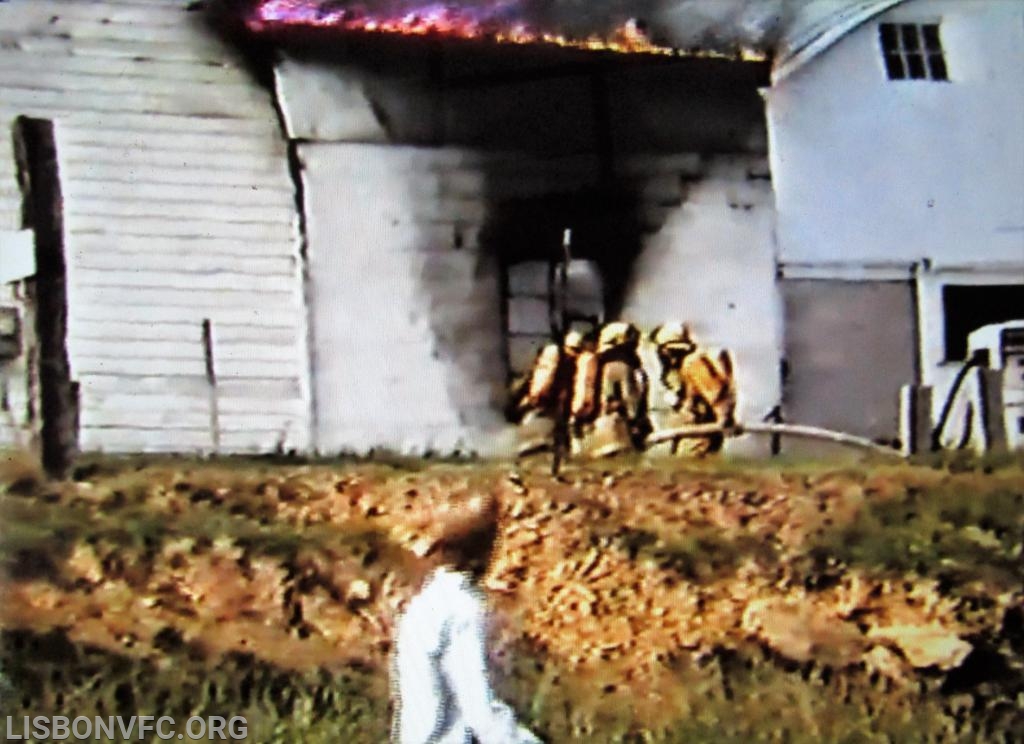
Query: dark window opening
column 967, row 308
column 913, row 51
column 538, row 308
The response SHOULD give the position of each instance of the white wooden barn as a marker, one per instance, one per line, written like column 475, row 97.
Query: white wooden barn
column 275, row 244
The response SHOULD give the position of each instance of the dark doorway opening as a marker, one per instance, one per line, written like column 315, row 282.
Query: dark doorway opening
column 43, row 212
column 965, row 308
column 566, row 261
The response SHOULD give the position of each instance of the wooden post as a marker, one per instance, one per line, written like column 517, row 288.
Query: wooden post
column 43, row 212
column 915, row 419
column 211, row 381
column 993, row 415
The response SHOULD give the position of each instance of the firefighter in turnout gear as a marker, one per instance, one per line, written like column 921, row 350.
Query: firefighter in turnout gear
column 583, row 406
column 701, row 384
column 620, row 408
column 546, row 393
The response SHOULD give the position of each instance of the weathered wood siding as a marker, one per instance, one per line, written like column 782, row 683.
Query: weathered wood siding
column 178, row 207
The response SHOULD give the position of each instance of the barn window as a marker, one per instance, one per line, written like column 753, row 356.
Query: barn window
column 913, row 51
column 966, row 308
column 539, row 308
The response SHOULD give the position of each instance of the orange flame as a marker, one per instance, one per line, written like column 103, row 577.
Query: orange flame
column 446, row 20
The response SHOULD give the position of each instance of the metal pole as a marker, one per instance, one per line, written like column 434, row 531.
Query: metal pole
column 560, row 448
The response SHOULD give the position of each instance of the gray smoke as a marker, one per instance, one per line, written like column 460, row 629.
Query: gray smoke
column 680, row 23
column 754, row 23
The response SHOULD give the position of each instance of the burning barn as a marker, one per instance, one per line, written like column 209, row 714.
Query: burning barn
column 312, row 226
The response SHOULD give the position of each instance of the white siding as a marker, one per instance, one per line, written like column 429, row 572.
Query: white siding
column 178, row 207
column 912, row 169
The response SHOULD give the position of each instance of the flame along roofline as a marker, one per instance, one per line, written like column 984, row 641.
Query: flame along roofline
column 624, row 40
column 545, row 40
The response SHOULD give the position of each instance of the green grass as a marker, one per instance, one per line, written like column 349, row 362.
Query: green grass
column 46, row 674
column 960, row 531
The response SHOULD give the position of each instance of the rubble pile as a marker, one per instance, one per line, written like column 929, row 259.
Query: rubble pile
column 624, row 600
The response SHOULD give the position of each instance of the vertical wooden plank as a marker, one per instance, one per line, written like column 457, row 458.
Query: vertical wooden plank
column 915, row 419
column 992, row 411
column 39, row 176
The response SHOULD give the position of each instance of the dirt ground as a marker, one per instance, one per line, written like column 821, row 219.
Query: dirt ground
column 631, row 600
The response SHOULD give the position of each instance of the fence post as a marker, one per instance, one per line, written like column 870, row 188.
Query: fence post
column 992, row 414
column 915, row 419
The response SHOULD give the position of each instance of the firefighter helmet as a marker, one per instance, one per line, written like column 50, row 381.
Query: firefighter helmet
column 574, row 341
column 674, row 336
column 615, row 335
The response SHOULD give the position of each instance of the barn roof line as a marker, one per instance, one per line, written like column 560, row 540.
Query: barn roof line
column 818, row 26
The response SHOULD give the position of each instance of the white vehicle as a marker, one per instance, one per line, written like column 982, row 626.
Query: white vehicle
column 1000, row 346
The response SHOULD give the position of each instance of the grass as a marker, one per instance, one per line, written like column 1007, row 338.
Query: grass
column 48, row 674
column 957, row 531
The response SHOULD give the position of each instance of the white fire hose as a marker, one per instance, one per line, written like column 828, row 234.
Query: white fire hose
column 793, row 430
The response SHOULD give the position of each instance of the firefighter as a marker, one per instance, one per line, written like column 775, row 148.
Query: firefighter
column 544, row 396
column 621, row 420
column 583, row 406
column 701, row 384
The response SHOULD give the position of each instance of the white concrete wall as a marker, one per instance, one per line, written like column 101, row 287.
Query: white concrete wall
column 407, row 327
column 178, row 207
column 712, row 266
column 897, row 178
column 408, row 351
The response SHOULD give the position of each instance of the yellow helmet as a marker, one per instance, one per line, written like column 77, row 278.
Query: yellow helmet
column 574, row 341
column 674, row 336
column 617, row 334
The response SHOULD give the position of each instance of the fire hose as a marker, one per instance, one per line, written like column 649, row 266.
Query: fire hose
column 793, row 430
column 947, row 406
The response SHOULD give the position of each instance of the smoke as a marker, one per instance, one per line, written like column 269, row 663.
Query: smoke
column 754, row 23
column 684, row 24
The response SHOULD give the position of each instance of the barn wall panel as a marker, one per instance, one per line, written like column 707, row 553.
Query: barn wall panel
column 178, row 208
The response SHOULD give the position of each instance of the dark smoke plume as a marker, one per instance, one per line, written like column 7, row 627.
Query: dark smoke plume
column 680, row 23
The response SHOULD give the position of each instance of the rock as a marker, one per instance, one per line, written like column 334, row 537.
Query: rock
column 359, row 591
column 925, row 645
column 83, row 563
column 886, row 662
column 801, row 631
